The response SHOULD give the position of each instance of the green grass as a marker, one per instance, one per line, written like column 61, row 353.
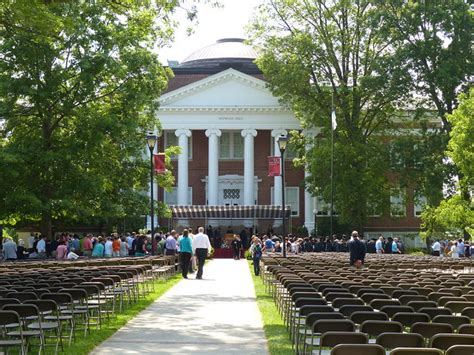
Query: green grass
column 275, row 331
column 95, row 337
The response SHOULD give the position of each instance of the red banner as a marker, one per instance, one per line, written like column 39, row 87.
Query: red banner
column 159, row 163
column 274, row 166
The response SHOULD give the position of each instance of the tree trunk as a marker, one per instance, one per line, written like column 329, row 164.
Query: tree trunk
column 46, row 224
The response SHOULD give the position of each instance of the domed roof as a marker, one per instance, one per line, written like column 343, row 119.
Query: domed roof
column 224, row 51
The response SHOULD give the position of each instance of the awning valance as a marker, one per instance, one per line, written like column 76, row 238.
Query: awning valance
column 228, row 212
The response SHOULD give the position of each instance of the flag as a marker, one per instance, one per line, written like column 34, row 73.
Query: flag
column 333, row 120
column 273, row 166
column 159, row 163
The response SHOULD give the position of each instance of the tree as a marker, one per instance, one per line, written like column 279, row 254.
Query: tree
column 312, row 51
column 79, row 83
column 456, row 213
column 433, row 42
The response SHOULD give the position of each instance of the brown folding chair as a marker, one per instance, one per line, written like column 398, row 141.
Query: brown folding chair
column 331, row 339
column 395, row 340
column 408, row 319
column 360, row 317
column 455, row 321
column 358, row 349
column 466, row 329
column 416, row 351
column 445, row 341
column 8, row 318
column 460, row 350
column 374, row 328
column 428, row 330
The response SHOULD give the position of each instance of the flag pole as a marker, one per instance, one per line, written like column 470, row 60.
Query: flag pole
column 333, row 127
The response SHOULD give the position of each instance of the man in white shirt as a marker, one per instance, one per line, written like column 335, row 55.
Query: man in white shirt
column 379, row 245
column 436, row 247
column 201, row 247
column 41, row 247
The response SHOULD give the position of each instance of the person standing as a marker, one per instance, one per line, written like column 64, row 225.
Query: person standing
column 357, row 250
column 395, row 249
column 87, row 245
column 201, row 247
column 108, row 251
column 9, row 250
column 236, row 247
column 256, row 251
column 171, row 244
column 116, row 246
column 41, row 247
column 436, row 247
column 379, row 245
column 185, row 252
column 98, row 251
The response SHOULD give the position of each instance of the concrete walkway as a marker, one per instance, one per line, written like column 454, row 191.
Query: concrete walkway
column 216, row 315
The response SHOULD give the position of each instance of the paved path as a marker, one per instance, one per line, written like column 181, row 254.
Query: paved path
column 216, row 315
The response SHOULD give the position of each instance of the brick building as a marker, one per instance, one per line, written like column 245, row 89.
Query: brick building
column 227, row 122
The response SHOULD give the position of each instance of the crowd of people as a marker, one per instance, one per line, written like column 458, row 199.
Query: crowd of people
column 452, row 248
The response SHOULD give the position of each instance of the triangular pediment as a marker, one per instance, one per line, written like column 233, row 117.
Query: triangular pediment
column 229, row 88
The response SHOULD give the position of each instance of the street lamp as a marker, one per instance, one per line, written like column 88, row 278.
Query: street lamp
column 151, row 139
column 282, row 142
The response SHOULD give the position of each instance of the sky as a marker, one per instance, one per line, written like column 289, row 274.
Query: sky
column 214, row 23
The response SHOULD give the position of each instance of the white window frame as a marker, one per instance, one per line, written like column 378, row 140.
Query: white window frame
column 232, row 135
column 289, row 153
column 394, row 195
column 175, row 192
column 419, row 202
column 295, row 210
column 167, row 144
column 372, row 210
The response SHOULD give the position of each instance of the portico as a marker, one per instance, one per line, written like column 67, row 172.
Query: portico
column 233, row 121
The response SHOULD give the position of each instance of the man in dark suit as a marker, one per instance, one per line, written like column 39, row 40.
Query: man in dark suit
column 357, row 250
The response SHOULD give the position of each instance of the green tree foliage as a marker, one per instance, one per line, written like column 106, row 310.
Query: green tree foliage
column 79, row 83
column 456, row 212
column 433, row 42
column 315, row 50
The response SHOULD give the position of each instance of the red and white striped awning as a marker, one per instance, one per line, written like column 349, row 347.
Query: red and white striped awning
column 228, row 212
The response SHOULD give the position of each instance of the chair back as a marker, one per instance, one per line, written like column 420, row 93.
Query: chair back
column 394, row 340
column 445, row 341
column 427, row 330
column 377, row 327
column 460, row 350
column 327, row 325
column 358, row 349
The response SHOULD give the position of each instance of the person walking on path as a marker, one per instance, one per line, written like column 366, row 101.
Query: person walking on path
column 236, row 246
column 185, row 252
column 201, row 247
column 256, row 251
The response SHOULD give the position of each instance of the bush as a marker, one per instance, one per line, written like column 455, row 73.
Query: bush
column 248, row 255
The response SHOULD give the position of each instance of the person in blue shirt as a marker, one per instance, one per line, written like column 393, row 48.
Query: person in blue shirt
column 269, row 245
column 98, row 251
column 185, row 252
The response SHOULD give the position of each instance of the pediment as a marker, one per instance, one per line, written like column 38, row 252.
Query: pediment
column 227, row 89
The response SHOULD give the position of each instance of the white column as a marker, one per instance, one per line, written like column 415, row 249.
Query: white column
column 213, row 166
column 277, row 197
column 249, row 185
column 308, row 197
column 183, row 135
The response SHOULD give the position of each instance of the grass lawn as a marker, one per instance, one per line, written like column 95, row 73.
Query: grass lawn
column 277, row 336
column 86, row 345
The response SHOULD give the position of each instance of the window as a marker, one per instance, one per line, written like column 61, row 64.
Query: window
column 322, row 207
column 171, row 198
column 396, row 159
column 397, row 202
column 292, row 199
column 231, row 145
column 419, row 202
column 290, row 152
column 373, row 209
column 172, row 140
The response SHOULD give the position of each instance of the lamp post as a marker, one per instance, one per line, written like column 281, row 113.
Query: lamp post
column 151, row 139
column 282, row 142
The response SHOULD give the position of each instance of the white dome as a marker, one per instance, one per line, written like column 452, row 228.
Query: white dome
column 227, row 48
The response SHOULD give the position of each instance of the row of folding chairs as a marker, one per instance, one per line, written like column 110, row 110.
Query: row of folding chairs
column 313, row 299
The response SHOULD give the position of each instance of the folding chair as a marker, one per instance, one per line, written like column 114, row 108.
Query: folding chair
column 8, row 318
column 435, row 311
column 379, row 303
column 460, row 350
column 360, row 317
column 455, row 321
column 408, row 319
column 465, row 329
column 408, row 298
column 458, row 306
column 428, row 330
column 392, row 310
column 27, row 312
column 395, row 340
column 445, row 341
column 416, row 351
column 374, row 328
column 331, row 339
column 349, row 309
column 358, row 349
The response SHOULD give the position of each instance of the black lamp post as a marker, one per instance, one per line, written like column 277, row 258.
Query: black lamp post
column 282, row 142
column 151, row 139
